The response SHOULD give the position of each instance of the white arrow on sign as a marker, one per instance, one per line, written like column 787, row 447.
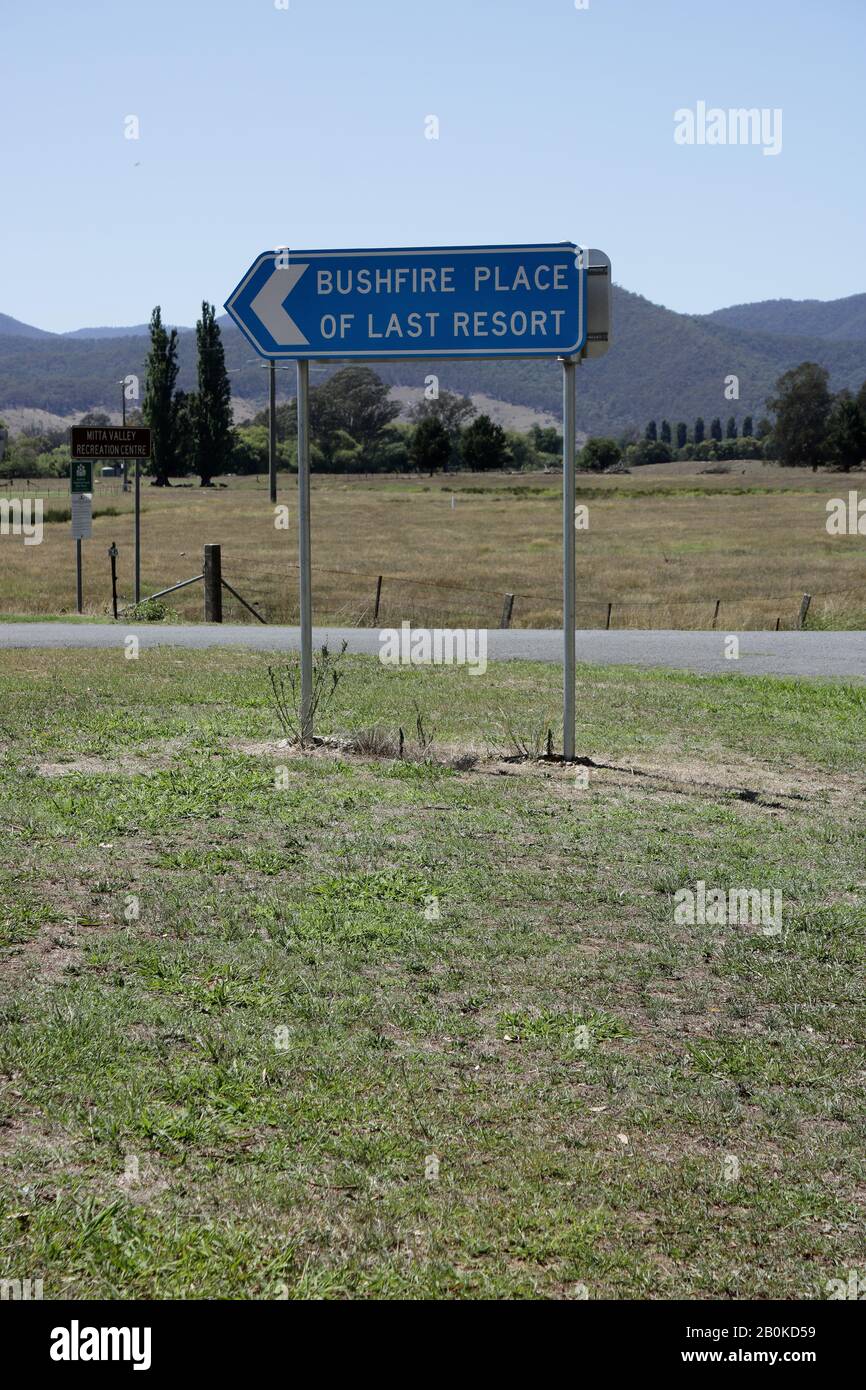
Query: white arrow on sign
column 268, row 306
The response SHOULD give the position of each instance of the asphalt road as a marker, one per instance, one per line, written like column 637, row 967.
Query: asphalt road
column 841, row 654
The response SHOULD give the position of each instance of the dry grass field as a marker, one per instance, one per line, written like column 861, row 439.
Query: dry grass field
column 662, row 545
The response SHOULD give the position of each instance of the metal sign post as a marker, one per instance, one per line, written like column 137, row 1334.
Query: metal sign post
column 81, row 511
column 112, row 442
column 306, row 591
column 272, row 430
column 137, row 542
column 569, row 371
column 417, row 304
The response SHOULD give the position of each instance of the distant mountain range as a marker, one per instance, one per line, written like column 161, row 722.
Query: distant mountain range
column 16, row 329
column 661, row 365
column 837, row 320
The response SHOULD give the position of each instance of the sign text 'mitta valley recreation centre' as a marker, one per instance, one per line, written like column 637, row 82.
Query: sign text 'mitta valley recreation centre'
column 109, row 442
column 461, row 301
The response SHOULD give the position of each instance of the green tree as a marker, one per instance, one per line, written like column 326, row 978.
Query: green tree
column 716, row 428
column 431, row 446
column 598, row 454
column 665, row 434
column 185, row 403
column 452, row 411
column 700, row 433
column 845, row 440
column 802, row 405
column 748, row 427
column 334, row 451
column 391, row 451
column 213, row 407
column 648, row 451
column 682, row 435
column 484, row 445
column 522, row 450
column 731, row 428
column 158, row 405
column 250, row 452
column 96, row 418
column 352, row 402
column 651, row 431
column 547, row 439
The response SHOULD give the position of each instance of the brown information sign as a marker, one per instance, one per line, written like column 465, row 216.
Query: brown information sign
column 109, row 442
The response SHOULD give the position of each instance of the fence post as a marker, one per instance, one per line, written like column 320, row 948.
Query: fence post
column 804, row 609
column 378, row 597
column 607, row 623
column 213, row 587
column 507, row 606
column 112, row 555
column 716, row 611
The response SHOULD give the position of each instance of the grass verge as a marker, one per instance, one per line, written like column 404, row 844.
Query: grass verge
column 283, row 1025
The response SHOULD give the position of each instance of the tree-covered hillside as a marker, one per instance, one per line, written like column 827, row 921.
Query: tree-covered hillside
column 661, row 364
column 840, row 320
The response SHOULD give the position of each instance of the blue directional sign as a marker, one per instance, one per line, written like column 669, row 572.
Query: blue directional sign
column 457, row 301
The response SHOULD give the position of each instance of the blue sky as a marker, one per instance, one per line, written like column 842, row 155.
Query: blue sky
column 305, row 127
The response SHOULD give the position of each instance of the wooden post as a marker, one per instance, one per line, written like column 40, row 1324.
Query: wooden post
column 507, row 607
column 112, row 555
column 778, row 623
column 378, row 597
column 716, row 611
column 804, row 609
column 607, row 623
column 213, row 584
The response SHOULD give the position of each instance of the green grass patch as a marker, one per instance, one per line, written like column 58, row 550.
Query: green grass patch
column 396, row 1030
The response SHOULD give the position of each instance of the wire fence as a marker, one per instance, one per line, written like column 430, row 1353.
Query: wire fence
column 387, row 603
column 389, row 599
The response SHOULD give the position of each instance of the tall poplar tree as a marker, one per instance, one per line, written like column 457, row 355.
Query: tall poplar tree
column 213, row 402
column 158, row 405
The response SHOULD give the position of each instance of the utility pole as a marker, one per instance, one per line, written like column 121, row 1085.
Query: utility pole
column 272, row 367
column 122, row 385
